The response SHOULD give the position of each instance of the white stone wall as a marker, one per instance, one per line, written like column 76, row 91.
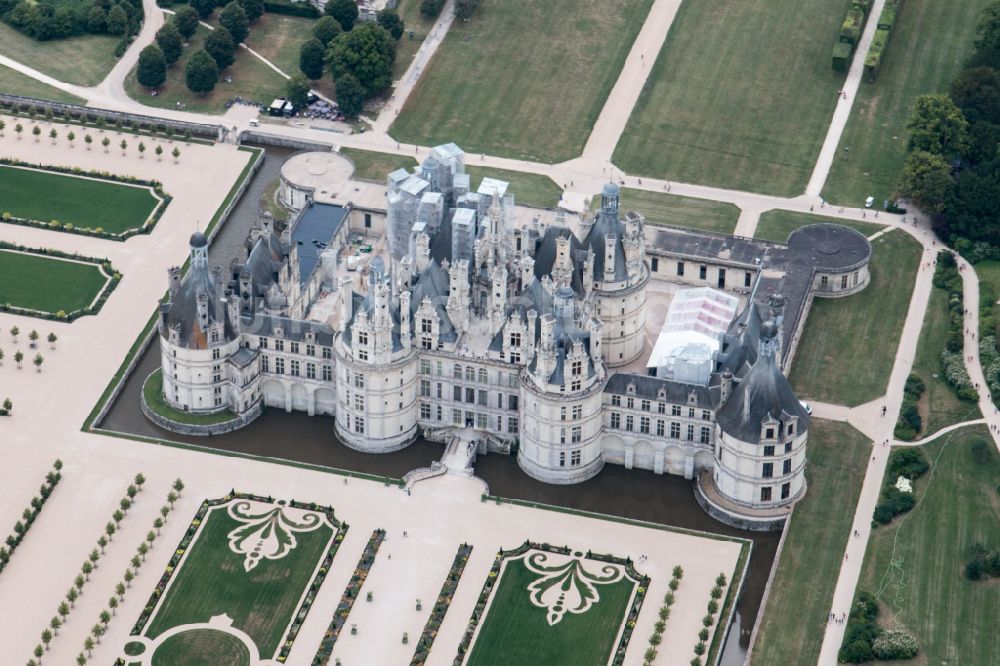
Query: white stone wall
column 842, row 283
column 623, row 313
column 189, row 376
column 376, row 405
column 739, row 469
column 667, row 268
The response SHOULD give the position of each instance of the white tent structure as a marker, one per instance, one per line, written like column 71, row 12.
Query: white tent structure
column 692, row 334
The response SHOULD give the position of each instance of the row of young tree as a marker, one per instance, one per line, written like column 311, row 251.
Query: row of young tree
column 45, row 21
column 360, row 56
column 952, row 170
column 201, row 73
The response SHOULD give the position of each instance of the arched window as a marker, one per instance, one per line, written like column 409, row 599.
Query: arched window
column 470, row 374
column 457, row 374
column 483, row 378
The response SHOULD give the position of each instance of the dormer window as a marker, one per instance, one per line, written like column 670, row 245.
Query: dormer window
column 279, row 332
column 661, row 394
column 769, row 433
column 630, row 389
column 790, row 430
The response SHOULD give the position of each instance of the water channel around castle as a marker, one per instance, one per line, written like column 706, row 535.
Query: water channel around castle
column 297, row 437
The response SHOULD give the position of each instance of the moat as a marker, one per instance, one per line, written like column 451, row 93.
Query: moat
column 297, row 437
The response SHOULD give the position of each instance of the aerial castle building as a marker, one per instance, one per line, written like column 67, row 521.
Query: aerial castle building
column 521, row 330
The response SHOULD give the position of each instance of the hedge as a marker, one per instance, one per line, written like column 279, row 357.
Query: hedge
column 303, row 9
column 876, row 54
column 888, row 17
column 850, row 31
column 842, row 56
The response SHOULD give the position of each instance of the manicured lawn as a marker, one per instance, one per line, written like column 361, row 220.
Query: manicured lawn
column 371, row 165
column 406, row 48
column 251, row 79
column 914, row 564
column 515, row 631
column 279, row 38
column 829, row 365
column 776, row 225
column 47, row 284
column 45, row 196
column 212, row 581
column 740, row 96
column 791, row 629
column 989, row 273
column 13, row 82
column 930, row 41
column 522, row 79
column 679, row 211
column 83, row 60
column 152, row 393
column 529, row 189
column 202, row 647
column 939, row 406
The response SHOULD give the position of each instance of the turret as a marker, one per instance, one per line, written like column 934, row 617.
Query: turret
column 527, row 271
column 609, row 200
column 174, row 279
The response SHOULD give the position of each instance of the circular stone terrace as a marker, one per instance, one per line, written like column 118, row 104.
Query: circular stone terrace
column 314, row 169
column 831, row 247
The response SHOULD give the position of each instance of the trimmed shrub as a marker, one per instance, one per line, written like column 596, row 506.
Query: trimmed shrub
column 842, row 56
column 850, row 31
column 894, row 644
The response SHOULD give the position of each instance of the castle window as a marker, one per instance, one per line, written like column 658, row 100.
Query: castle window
column 577, row 368
column 470, row 374
column 768, row 450
column 327, row 353
column 577, row 412
column 629, row 422
column 706, row 415
column 562, row 458
column 426, row 343
column 439, row 412
column 425, row 388
column 654, row 264
column 456, row 417
column 788, row 447
column 295, row 347
column 616, row 401
column 215, row 354
column 470, row 396
column 690, row 433
column 483, row 376
column 512, row 425
column 279, row 365
column 562, row 413
column 484, row 398
column 616, row 420
column 690, row 412
column 362, row 338
column 575, row 386
column 310, row 371
column 706, row 434
column 562, row 435
column 515, row 339
column 843, row 282
column 512, row 402
column 786, row 467
column 215, row 336
column 514, row 357
column 425, row 367
column 769, row 433
column 456, row 393
column 823, row 281
column 359, row 424
column 426, row 326
column 368, row 220
column 630, row 402
column 262, row 343
column 499, row 400
column 790, row 430
column 425, row 410
column 765, row 494
column 644, row 425
column 680, row 269
column 457, row 372
column 768, row 470
column 703, row 272
column 439, row 390
column 295, row 368
column 854, row 280
column 574, row 458
column 660, row 428
column 747, row 277
column 786, row 490
column 279, row 345
column 310, row 350
column 675, row 410
column 359, row 380
column 661, row 408
column 644, row 405
column 359, row 402
column 327, row 373
column 264, row 364
column 675, row 430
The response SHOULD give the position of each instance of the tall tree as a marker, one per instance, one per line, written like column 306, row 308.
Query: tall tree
column 430, row 8
column 311, row 59
column 297, row 91
column 976, row 92
column 350, row 96
column 221, row 47
column 97, row 20
column 186, row 19
column 117, row 22
column 937, row 126
column 986, row 51
column 201, row 73
column 152, row 68
column 325, row 29
column 465, row 8
column 926, row 180
column 389, row 19
column 367, row 53
column 254, row 9
column 345, row 11
column 168, row 38
column 234, row 19
column 203, row 7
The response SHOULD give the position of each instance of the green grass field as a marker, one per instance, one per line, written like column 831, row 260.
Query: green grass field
column 989, row 272
column 791, row 629
column 776, row 225
column 740, row 96
column 406, row 48
column 212, row 581
column 47, row 284
column 514, row 631
column 939, row 406
column 828, row 365
column 929, row 43
column 152, row 393
column 90, row 204
column 371, row 165
column 202, row 647
column 680, row 211
column 522, row 79
column 529, row 189
column 83, row 60
column 914, row 565
column 251, row 79
column 13, row 82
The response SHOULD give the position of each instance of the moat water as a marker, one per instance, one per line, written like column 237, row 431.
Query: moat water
column 635, row 494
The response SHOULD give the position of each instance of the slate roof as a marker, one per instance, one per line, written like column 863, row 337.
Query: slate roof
column 316, row 225
column 293, row 329
column 648, row 388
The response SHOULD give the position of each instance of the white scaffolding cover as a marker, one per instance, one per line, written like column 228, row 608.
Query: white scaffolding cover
column 696, row 320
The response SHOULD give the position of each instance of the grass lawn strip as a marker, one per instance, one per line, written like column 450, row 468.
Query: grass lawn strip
column 872, row 148
column 939, row 406
column 152, row 395
column 372, row 165
column 407, row 47
column 83, row 201
column 83, row 60
column 13, row 82
column 827, row 364
column 510, row 628
column 679, row 211
column 268, row 601
column 522, row 79
column 529, row 189
column 202, row 647
column 740, row 96
column 914, row 564
column 795, row 617
column 47, row 284
column 777, row 225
